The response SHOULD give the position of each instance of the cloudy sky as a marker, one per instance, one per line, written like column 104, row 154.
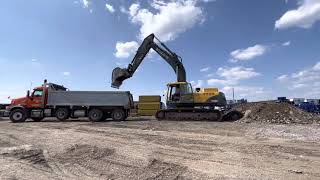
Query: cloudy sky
column 262, row 49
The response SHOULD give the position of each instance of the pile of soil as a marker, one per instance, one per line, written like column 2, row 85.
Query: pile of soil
column 276, row 113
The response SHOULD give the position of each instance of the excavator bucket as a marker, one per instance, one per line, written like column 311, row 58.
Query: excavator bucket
column 118, row 76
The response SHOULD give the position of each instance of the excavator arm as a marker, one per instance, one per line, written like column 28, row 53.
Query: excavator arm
column 121, row 74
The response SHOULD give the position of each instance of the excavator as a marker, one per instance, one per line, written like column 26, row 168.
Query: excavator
column 182, row 101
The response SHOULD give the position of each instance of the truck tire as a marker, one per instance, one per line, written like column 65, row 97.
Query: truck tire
column 62, row 114
column 118, row 115
column 18, row 115
column 37, row 119
column 95, row 115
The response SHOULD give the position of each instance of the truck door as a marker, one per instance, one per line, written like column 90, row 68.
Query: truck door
column 36, row 98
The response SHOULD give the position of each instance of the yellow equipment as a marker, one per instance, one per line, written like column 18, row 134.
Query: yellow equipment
column 183, row 102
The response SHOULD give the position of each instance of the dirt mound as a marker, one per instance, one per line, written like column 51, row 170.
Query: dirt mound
column 278, row 113
column 26, row 153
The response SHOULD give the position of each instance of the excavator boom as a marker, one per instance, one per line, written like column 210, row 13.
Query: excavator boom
column 121, row 74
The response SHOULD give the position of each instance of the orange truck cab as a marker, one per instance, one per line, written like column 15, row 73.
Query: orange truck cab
column 52, row 100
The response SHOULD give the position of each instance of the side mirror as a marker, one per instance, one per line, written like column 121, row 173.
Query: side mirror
column 28, row 94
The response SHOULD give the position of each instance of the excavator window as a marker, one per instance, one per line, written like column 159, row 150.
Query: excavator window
column 178, row 90
column 176, row 93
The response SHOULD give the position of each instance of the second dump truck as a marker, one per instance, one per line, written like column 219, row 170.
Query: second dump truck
column 52, row 100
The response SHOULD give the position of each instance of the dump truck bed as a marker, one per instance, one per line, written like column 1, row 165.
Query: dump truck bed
column 90, row 98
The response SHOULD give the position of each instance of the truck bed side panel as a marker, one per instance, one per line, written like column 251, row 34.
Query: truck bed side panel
column 89, row 98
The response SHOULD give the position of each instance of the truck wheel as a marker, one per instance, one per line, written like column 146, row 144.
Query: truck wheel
column 18, row 115
column 95, row 115
column 37, row 119
column 62, row 114
column 118, row 115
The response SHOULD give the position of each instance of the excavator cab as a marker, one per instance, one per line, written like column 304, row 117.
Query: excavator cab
column 179, row 94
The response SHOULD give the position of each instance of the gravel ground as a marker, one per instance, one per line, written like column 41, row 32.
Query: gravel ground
column 143, row 148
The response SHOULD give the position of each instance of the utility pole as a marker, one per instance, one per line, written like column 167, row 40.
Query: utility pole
column 233, row 95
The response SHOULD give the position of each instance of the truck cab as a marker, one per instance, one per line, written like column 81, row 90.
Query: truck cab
column 37, row 98
column 29, row 101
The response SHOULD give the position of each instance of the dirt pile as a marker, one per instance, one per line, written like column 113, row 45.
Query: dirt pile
column 277, row 113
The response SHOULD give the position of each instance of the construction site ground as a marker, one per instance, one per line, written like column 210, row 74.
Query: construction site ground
column 144, row 148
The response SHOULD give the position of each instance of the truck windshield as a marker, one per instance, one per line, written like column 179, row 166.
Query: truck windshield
column 37, row 93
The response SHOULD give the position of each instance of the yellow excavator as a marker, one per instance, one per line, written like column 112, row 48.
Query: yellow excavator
column 182, row 101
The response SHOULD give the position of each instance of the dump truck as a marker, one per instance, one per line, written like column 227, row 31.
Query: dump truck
column 53, row 100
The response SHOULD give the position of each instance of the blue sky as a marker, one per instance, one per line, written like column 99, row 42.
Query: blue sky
column 263, row 49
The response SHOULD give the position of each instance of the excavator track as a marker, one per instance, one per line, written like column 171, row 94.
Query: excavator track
column 189, row 114
column 198, row 115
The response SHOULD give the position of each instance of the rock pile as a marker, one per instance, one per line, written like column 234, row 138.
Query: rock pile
column 277, row 113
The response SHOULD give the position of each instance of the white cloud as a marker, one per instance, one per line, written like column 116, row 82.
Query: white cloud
column 123, row 9
column 297, row 86
column 133, row 10
column 304, row 16
column 205, row 69
column 248, row 54
column 208, row 1
column 305, row 82
column 253, row 93
column 232, row 76
column 125, row 49
column 283, row 78
column 316, row 67
column 288, row 43
column 66, row 73
column 237, row 73
column 85, row 3
column 197, row 84
column 214, row 82
column 110, row 8
column 167, row 19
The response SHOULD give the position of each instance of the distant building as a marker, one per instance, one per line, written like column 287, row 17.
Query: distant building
column 238, row 101
column 297, row 100
column 314, row 101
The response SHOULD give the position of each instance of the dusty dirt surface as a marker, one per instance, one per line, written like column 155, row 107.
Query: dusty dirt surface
column 149, row 149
